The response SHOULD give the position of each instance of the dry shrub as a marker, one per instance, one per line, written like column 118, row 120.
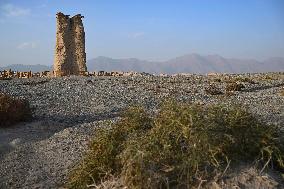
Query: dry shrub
column 213, row 90
column 103, row 158
column 269, row 77
column 245, row 80
column 234, row 87
column 13, row 110
column 182, row 145
column 217, row 80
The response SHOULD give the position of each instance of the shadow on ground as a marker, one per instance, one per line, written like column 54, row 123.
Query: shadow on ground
column 42, row 128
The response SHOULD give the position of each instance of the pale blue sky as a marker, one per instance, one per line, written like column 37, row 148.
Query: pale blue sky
column 145, row 29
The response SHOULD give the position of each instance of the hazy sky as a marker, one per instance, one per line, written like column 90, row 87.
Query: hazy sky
column 145, row 29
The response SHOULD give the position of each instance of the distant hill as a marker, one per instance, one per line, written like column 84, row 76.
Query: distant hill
column 190, row 63
column 131, row 64
column 21, row 67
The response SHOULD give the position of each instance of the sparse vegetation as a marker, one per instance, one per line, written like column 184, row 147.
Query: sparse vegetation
column 269, row 77
column 234, row 87
column 238, row 79
column 245, row 80
column 105, row 150
column 217, row 80
column 177, row 148
column 13, row 110
column 213, row 90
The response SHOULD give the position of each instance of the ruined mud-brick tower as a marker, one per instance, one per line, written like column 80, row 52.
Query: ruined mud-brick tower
column 70, row 56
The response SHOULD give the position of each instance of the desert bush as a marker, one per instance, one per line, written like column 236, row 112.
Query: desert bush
column 234, row 87
column 182, row 145
column 103, row 157
column 217, row 80
column 245, row 80
column 13, row 110
column 269, row 77
column 213, row 90
column 238, row 79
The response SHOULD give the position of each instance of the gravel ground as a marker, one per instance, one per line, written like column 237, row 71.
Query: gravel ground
column 67, row 110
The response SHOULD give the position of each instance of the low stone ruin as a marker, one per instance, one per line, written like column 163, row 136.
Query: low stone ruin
column 9, row 74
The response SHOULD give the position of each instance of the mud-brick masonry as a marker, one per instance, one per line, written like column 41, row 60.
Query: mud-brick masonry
column 70, row 56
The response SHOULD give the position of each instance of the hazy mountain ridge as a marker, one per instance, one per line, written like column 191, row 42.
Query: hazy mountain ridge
column 190, row 63
column 22, row 67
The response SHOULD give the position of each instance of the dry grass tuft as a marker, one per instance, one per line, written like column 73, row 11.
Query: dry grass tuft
column 13, row 110
column 182, row 146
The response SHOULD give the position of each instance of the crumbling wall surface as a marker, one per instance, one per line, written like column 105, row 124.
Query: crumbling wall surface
column 70, row 56
column 79, row 36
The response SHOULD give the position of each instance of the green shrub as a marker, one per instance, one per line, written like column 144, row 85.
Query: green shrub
column 13, row 110
column 103, row 157
column 182, row 145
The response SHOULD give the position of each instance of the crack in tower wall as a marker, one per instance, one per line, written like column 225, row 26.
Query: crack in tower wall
column 70, row 56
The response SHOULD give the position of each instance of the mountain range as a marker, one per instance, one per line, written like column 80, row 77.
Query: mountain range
column 23, row 68
column 190, row 63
